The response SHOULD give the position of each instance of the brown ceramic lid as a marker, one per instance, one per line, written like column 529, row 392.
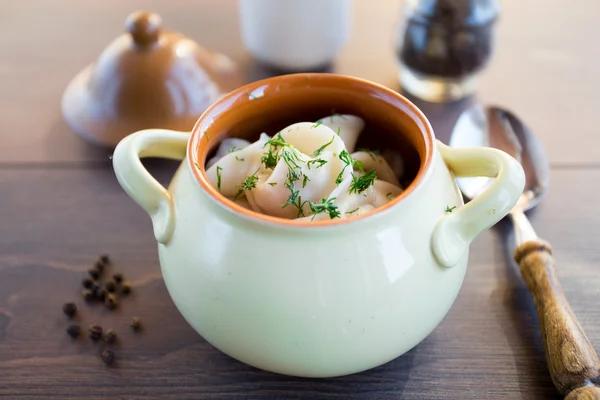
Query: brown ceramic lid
column 146, row 78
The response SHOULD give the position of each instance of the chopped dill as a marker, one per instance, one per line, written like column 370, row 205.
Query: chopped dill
column 361, row 184
column 319, row 162
column 325, row 206
column 272, row 183
column 238, row 158
column 389, row 194
column 269, row 159
column 248, row 184
column 450, row 209
column 319, row 123
column 277, row 142
column 352, row 211
column 231, row 150
column 219, row 169
column 206, row 134
column 304, row 181
column 338, row 132
column 320, row 149
column 348, row 161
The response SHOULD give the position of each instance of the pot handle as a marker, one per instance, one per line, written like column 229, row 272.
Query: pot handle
column 137, row 181
column 456, row 230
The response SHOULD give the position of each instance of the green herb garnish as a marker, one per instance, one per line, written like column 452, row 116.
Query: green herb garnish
column 272, row 183
column 319, row 122
column 320, row 149
column 348, row 161
column 231, row 150
column 338, row 132
column 325, row 206
column 353, row 211
column 248, row 184
column 206, row 134
column 277, row 141
column 450, row 209
column 252, row 97
column 319, row 162
column 219, row 169
column 238, row 158
column 269, row 159
column 291, row 158
column 304, row 181
column 361, row 184
column 389, row 194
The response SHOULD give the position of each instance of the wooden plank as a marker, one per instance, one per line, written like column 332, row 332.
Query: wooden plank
column 56, row 221
column 542, row 69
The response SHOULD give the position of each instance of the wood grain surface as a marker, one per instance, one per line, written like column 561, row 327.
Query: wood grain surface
column 60, row 207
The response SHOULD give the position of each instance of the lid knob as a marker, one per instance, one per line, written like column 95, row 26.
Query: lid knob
column 144, row 27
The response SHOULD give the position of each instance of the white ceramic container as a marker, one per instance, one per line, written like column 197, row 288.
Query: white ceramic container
column 314, row 299
column 295, row 35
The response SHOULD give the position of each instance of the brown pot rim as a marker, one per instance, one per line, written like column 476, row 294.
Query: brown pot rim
column 201, row 144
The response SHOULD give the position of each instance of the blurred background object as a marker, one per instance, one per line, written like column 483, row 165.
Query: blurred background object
column 295, row 35
column 148, row 77
column 443, row 45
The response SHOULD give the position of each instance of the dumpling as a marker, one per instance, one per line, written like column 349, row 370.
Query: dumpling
column 348, row 126
column 371, row 160
column 305, row 171
column 395, row 162
column 227, row 146
column 228, row 172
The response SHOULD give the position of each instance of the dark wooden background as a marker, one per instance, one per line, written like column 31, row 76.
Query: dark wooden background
column 60, row 206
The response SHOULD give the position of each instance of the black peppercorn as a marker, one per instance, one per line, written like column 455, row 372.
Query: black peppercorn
column 73, row 331
column 105, row 259
column 101, row 295
column 95, row 332
column 87, row 294
column 94, row 273
column 110, row 336
column 111, row 301
column 136, row 324
column 69, row 309
column 126, row 287
column 87, row 283
column 99, row 265
column 118, row 278
column 110, row 286
column 108, row 356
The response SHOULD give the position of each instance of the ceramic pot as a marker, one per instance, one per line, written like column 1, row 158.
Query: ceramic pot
column 321, row 298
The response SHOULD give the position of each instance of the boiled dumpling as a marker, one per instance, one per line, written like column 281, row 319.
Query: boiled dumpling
column 227, row 173
column 347, row 126
column 227, row 146
column 372, row 160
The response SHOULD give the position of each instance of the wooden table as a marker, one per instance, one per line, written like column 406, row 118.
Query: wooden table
column 61, row 206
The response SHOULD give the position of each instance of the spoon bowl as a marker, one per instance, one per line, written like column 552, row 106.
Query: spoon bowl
column 492, row 126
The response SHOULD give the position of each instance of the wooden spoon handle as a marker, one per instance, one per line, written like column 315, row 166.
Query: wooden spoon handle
column 572, row 360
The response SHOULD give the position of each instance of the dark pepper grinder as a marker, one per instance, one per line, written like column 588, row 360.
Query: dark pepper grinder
column 443, row 45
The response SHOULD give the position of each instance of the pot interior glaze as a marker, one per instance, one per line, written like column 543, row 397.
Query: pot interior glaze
column 391, row 121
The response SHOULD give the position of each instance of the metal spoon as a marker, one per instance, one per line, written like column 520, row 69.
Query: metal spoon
column 571, row 358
